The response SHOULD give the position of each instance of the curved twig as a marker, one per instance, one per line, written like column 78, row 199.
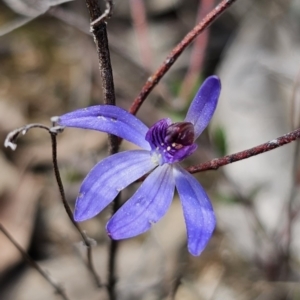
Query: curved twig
column 106, row 15
column 175, row 53
column 10, row 141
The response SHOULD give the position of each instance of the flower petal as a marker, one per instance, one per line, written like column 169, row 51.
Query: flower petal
column 204, row 104
column 110, row 119
column 197, row 209
column 108, row 178
column 150, row 203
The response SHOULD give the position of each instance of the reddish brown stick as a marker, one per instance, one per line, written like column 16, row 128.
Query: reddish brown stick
column 175, row 53
column 228, row 159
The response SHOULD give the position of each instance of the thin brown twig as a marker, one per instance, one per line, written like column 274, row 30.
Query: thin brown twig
column 10, row 141
column 99, row 32
column 98, row 29
column 57, row 287
column 85, row 238
column 175, row 53
column 228, row 159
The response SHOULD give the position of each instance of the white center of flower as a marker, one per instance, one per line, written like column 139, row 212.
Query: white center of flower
column 157, row 158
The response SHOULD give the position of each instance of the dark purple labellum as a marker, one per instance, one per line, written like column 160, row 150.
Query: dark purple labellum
column 171, row 143
column 180, row 134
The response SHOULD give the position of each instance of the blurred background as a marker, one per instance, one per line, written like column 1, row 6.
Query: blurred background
column 49, row 66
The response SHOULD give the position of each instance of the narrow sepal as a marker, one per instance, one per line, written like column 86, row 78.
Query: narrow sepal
column 197, row 209
column 204, row 104
column 108, row 178
column 150, row 203
column 110, row 119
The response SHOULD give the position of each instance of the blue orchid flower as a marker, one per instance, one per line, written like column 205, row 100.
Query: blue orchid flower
column 164, row 145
